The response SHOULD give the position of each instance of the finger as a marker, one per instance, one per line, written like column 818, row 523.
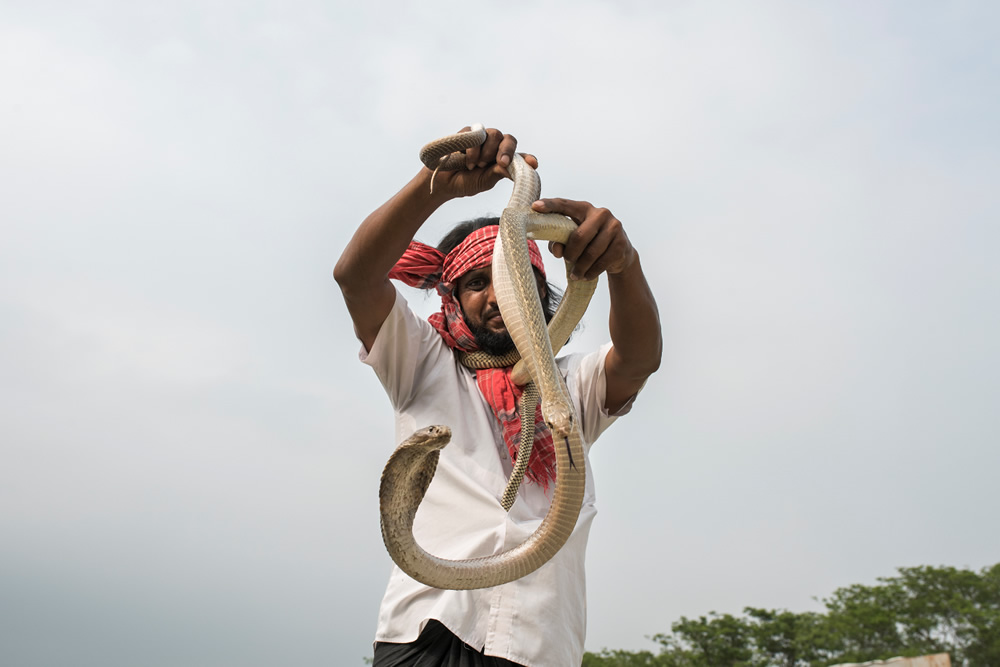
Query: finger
column 505, row 152
column 502, row 172
column 577, row 210
column 593, row 257
column 616, row 247
column 587, row 229
column 488, row 151
column 556, row 249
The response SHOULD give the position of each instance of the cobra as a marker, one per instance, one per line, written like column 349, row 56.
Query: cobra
column 411, row 467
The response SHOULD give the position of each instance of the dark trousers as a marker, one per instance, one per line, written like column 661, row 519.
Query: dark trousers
column 435, row 647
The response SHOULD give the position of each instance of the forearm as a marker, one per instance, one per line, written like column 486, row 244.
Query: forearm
column 363, row 269
column 384, row 235
column 634, row 324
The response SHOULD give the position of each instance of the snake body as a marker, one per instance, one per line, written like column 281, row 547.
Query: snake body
column 411, row 467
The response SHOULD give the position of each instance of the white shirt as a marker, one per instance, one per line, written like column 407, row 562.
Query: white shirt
column 539, row 620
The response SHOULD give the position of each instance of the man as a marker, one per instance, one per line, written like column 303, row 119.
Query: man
column 539, row 620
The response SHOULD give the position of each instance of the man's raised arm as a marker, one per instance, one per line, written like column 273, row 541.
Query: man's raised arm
column 363, row 269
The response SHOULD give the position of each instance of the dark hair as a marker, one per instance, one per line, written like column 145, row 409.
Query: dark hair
column 553, row 295
column 462, row 230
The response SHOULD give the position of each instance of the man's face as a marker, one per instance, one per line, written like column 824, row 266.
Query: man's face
column 479, row 305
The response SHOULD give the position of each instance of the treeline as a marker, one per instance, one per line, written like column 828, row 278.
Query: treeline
column 921, row 611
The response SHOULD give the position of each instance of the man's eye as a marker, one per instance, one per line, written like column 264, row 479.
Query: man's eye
column 476, row 284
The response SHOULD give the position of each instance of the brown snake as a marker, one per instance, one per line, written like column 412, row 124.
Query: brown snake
column 411, row 467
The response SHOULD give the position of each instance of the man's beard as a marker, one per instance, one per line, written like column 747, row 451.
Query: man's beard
column 491, row 342
column 499, row 344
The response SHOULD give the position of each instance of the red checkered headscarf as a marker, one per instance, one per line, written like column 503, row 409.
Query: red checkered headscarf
column 424, row 267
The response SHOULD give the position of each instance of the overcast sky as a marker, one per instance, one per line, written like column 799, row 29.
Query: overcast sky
column 190, row 450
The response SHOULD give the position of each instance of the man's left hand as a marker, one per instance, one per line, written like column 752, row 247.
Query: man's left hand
column 599, row 243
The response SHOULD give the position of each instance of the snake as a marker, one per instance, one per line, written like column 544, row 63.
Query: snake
column 411, row 467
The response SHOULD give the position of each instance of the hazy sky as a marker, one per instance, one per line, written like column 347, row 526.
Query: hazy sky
column 190, row 450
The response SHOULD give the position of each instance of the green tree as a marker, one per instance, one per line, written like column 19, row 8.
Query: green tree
column 713, row 641
column 947, row 609
column 864, row 623
column 984, row 649
column 920, row 611
column 621, row 658
column 785, row 639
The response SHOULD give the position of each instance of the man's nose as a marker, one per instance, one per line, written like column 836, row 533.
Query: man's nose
column 491, row 296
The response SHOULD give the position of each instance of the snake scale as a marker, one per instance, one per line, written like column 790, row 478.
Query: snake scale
column 411, row 467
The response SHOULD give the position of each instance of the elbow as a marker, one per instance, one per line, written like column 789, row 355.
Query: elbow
column 637, row 367
column 348, row 276
column 654, row 364
column 355, row 284
column 645, row 367
column 340, row 273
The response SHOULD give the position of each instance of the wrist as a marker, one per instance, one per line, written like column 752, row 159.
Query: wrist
column 630, row 266
column 420, row 195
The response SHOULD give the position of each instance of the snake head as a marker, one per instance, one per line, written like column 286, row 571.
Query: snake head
column 559, row 419
column 431, row 437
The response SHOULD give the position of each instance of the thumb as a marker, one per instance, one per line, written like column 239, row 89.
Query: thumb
column 576, row 210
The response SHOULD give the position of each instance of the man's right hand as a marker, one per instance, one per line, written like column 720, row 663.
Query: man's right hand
column 485, row 166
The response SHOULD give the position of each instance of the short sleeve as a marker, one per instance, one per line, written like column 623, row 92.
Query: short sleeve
column 587, row 383
column 404, row 348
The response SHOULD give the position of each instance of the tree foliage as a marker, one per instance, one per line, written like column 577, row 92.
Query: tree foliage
column 920, row 611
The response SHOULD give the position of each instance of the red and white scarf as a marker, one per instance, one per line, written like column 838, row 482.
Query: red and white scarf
column 424, row 267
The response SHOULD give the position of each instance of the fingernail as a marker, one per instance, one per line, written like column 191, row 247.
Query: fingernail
column 504, row 160
column 482, row 164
